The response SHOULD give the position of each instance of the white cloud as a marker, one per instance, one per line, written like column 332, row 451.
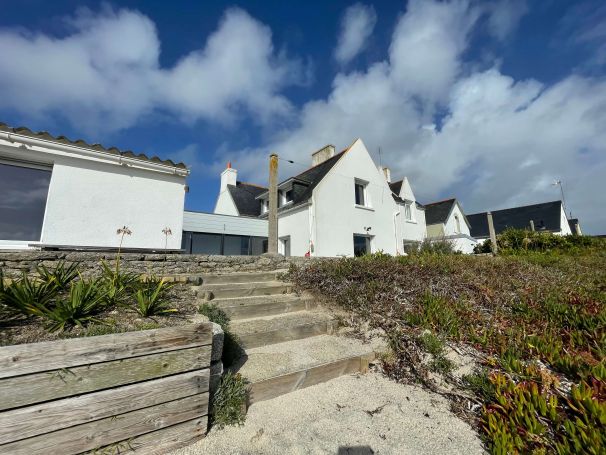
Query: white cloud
column 357, row 25
column 504, row 16
column 105, row 73
column 500, row 143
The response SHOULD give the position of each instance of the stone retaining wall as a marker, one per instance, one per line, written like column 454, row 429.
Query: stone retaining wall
column 180, row 267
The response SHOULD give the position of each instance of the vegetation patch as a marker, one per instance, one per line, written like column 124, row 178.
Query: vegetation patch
column 536, row 317
column 232, row 349
column 60, row 303
column 229, row 401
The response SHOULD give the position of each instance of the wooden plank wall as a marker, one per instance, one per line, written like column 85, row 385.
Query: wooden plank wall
column 145, row 392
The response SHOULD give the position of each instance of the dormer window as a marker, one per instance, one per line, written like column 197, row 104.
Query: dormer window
column 264, row 206
column 288, row 196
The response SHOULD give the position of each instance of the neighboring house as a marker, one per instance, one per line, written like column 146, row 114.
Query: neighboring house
column 544, row 217
column 341, row 206
column 446, row 220
column 58, row 193
column 410, row 219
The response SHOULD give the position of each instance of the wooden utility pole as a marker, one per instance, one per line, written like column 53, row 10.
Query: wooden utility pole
column 493, row 235
column 532, row 225
column 272, row 247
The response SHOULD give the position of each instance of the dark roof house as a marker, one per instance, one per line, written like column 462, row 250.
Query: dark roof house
column 245, row 198
column 438, row 212
column 546, row 216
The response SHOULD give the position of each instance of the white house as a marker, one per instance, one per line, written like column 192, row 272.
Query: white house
column 58, row 193
column 445, row 220
column 543, row 217
column 343, row 205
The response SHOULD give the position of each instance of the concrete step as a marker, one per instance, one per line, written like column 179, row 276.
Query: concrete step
column 243, row 277
column 261, row 306
column 285, row 327
column 285, row 367
column 229, row 290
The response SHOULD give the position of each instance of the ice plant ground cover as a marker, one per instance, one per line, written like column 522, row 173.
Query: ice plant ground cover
column 537, row 321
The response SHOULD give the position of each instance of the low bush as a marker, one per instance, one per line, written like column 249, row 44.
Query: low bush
column 513, row 241
column 215, row 314
column 61, row 275
column 539, row 319
column 229, row 401
column 232, row 348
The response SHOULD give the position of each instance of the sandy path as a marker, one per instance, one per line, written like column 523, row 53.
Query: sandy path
column 357, row 414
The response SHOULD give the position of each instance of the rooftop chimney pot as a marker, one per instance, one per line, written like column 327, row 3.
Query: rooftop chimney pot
column 322, row 155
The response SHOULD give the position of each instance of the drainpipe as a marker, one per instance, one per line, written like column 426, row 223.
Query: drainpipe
column 117, row 158
column 395, row 230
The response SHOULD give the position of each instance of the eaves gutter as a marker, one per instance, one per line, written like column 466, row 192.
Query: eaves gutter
column 117, row 158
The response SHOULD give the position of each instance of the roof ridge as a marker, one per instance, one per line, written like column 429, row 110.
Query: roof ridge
column 45, row 135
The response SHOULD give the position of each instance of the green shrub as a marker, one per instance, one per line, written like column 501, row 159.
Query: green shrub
column 151, row 297
column 215, row 314
column 61, row 275
column 119, row 286
column 229, row 401
column 434, row 246
column 85, row 300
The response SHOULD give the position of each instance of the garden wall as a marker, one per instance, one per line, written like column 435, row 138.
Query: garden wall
column 145, row 391
column 179, row 266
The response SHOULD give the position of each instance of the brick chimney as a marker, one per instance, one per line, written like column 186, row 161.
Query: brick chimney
column 228, row 177
column 322, row 155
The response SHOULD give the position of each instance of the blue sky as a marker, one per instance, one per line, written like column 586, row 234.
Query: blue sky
column 486, row 101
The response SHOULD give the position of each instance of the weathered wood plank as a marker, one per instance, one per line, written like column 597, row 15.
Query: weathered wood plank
column 280, row 385
column 51, row 385
column 110, row 430
column 165, row 440
column 52, row 355
column 42, row 418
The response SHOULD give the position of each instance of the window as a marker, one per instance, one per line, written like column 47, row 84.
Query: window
column 408, row 212
column 457, row 224
column 264, row 205
column 223, row 244
column 23, row 193
column 288, row 196
column 361, row 245
column 206, row 243
column 360, row 193
column 410, row 246
column 236, row 245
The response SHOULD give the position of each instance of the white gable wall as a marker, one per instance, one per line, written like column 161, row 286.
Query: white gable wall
column 225, row 204
column 295, row 224
column 450, row 225
column 564, row 226
column 335, row 216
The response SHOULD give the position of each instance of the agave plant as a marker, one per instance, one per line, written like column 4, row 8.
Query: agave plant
column 62, row 275
column 29, row 297
column 85, row 300
column 118, row 285
column 151, row 298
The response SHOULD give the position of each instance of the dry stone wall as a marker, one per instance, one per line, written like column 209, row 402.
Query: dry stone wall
column 180, row 267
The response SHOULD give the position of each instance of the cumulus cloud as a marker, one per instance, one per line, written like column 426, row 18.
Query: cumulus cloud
column 357, row 25
column 500, row 142
column 105, row 73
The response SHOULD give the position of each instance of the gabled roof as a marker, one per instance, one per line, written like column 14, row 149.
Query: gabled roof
column 244, row 196
column 437, row 212
column 546, row 217
column 396, row 186
column 308, row 180
column 21, row 130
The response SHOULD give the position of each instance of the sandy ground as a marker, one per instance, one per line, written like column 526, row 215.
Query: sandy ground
column 356, row 414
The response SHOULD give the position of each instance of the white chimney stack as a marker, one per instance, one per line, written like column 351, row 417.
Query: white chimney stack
column 228, row 177
column 322, row 155
column 387, row 173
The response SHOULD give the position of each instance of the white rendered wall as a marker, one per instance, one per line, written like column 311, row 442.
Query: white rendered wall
column 414, row 230
column 225, row 204
column 90, row 198
column 564, row 226
column 335, row 214
column 450, row 225
column 296, row 225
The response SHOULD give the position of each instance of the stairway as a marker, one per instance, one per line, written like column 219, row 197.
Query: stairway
column 290, row 342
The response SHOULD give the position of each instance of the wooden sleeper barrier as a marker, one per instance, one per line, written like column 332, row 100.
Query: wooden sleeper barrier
column 143, row 391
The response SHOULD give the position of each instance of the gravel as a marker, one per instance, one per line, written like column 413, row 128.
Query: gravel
column 355, row 414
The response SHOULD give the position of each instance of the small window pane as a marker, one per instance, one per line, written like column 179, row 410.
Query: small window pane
column 407, row 212
column 258, row 246
column 361, row 245
column 23, row 193
column 236, row 245
column 359, row 194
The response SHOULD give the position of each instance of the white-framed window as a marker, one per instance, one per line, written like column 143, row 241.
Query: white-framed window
column 457, row 224
column 264, row 206
column 408, row 211
column 361, row 193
